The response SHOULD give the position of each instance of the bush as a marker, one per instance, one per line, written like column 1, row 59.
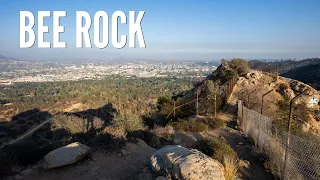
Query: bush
column 115, row 132
column 166, row 132
column 230, row 168
column 241, row 66
column 227, row 75
column 190, row 126
column 98, row 123
column 71, row 124
column 107, row 141
column 284, row 104
column 75, row 125
column 162, row 100
column 213, row 123
column 283, row 86
column 221, row 151
column 215, row 148
column 128, row 122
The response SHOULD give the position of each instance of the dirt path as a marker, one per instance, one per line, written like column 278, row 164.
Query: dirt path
column 245, row 150
column 242, row 145
column 102, row 166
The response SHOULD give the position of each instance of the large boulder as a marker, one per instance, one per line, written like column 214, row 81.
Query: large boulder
column 66, row 155
column 182, row 163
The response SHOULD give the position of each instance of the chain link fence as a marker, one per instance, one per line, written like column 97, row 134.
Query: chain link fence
column 302, row 160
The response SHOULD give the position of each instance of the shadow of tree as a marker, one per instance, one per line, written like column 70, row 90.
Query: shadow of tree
column 36, row 145
column 22, row 122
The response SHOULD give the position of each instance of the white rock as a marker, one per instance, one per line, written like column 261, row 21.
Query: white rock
column 306, row 127
column 26, row 172
column 66, row 155
column 17, row 177
column 161, row 178
column 182, row 163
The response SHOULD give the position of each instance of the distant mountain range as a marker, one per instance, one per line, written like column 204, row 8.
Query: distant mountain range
column 282, row 66
column 309, row 74
column 307, row 70
column 6, row 58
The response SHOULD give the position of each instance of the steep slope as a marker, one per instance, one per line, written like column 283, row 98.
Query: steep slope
column 282, row 66
column 308, row 74
column 276, row 104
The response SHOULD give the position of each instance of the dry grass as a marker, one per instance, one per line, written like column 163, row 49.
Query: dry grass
column 166, row 132
column 115, row 132
column 190, row 126
column 230, row 167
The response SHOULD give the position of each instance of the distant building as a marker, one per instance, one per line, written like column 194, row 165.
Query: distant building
column 5, row 83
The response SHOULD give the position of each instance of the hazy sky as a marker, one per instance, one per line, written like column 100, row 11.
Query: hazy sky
column 179, row 29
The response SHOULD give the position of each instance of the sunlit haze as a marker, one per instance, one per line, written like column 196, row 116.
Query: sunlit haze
column 176, row 30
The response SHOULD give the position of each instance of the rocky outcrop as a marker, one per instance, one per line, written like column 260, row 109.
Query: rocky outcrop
column 66, row 155
column 182, row 163
column 298, row 86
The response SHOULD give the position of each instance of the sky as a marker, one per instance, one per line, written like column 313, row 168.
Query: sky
column 177, row 30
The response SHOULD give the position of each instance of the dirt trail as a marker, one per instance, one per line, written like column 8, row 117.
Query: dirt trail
column 242, row 145
column 245, row 150
column 102, row 166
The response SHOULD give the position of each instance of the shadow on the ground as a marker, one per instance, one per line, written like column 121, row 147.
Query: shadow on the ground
column 245, row 150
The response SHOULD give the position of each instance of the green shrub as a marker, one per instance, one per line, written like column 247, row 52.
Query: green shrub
column 227, row 75
column 128, row 121
column 213, row 123
column 241, row 66
column 215, row 148
column 190, row 126
column 282, row 87
column 162, row 100
column 284, row 104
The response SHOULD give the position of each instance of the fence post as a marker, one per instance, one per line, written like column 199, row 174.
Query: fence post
column 289, row 129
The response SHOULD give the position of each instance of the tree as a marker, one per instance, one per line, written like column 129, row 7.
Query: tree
column 213, row 96
column 241, row 66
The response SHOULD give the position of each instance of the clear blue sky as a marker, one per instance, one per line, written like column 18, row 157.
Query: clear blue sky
column 180, row 29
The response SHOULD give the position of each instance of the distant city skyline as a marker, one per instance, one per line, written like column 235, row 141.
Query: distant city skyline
column 180, row 30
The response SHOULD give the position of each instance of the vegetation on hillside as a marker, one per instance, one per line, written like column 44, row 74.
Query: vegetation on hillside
column 241, row 66
column 282, row 66
column 309, row 74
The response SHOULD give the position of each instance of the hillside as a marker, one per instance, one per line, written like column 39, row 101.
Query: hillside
column 281, row 66
column 276, row 105
column 308, row 74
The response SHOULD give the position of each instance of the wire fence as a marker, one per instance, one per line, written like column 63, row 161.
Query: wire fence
column 301, row 161
column 197, row 102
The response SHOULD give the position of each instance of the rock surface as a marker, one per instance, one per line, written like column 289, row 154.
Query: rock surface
column 182, row 163
column 26, row 172
column 66, row 155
